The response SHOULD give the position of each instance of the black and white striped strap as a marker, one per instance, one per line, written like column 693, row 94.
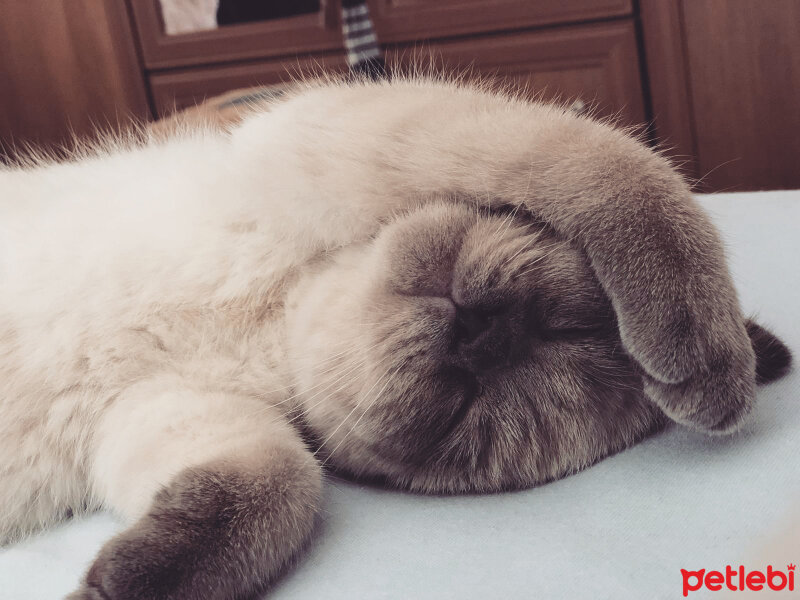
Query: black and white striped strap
column 363, row 53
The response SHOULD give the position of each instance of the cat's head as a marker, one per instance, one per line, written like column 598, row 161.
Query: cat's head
column 463, row 351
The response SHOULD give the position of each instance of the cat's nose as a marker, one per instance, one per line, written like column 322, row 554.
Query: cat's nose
column 483, row 340
column 470, row 324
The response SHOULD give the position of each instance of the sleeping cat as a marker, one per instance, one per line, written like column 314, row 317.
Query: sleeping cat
column 444, row 288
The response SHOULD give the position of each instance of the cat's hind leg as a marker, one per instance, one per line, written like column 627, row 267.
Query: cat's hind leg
column 222, row 491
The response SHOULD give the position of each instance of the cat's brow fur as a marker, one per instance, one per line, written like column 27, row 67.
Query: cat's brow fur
column 447, row 288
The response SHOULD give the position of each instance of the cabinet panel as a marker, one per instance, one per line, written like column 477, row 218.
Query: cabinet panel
column 289, row 36
column 664, row 45
column 409, row 20
column 597, row 64
column 180, row 89
column 744, row 70
column 65, row 69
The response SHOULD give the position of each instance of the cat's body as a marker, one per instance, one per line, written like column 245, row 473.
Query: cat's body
column 170, row 314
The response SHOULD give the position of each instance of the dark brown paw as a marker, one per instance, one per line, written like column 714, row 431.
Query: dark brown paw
column 716, row 400
column 87, row 593
column 699, row 364
column 668, row 344
column 213, row 534
column 142, row 564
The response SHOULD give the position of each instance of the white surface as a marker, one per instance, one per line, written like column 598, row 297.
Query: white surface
column 622, row 529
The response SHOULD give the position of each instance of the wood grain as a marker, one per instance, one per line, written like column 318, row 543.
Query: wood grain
column 744, row 70
column 179, row 89
column 66, row 67
column 597, row 64
column 395, row 21
column 668, row 78
column 289, row 37
column 411, row 20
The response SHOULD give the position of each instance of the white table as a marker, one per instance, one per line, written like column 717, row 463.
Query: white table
column 622, row 529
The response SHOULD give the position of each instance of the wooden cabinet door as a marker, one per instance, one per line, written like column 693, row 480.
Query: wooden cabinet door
column 724, row 78
column 174, row 90
column 409, row 20
column 66, row 68
column 595, row 64
column 743, row 62
column 291, row 36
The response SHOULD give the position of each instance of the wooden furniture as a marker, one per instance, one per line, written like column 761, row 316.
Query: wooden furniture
column 596, row 61
column 712, row 80
column 66, row 67
column 724, row 76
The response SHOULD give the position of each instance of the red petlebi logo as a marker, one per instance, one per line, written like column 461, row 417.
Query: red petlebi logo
column 739, row 579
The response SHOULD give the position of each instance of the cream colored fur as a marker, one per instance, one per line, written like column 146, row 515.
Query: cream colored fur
column 108, row 260
column 160, row 307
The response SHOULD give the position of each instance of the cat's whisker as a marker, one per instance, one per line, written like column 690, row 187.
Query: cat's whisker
column 532, row 265
column 333, row 379
column 511, row 218
column 528, row 184
column 304, row 410
column 374, row 401
column 533, row 238
column 359, row 403
column 506, row 221
column 327, row 371
column 326, row 385
column 265, row 393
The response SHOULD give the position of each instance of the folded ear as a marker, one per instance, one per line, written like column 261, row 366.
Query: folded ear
column 773, row 358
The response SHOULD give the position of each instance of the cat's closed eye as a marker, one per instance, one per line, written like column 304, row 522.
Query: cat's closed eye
column 566, row 321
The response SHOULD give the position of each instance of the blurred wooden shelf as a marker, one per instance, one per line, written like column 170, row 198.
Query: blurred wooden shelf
column 714, row 80
column 575, row 50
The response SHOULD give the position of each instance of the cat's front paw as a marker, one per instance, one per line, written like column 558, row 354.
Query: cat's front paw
column 217, row 532
column 672, row 341
column 86, row 593
column 717, row 398
column 132, row 567
column 698, row 363
column 101, row 586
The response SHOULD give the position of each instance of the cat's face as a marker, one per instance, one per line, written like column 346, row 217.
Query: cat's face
column 462, row 351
